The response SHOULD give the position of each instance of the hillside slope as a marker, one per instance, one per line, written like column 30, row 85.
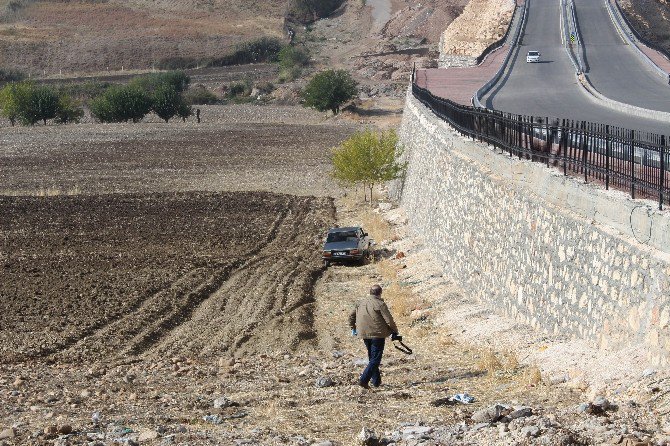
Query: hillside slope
column 80, row 35
column 651, row 18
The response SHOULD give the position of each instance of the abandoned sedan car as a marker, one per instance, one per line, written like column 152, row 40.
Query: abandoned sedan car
column 350, row 244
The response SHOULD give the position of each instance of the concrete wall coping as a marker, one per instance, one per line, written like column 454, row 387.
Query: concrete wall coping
column 636, row 221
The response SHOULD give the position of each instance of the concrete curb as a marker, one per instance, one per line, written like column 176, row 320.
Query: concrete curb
column 487, row 86
column 583, row 78
column 621, row 106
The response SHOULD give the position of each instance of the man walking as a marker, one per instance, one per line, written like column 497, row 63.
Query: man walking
column 372, row 321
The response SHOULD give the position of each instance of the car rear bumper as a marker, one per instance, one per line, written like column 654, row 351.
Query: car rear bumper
column 343, row 258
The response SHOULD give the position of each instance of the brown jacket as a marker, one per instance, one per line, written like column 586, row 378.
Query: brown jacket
column 371, row 318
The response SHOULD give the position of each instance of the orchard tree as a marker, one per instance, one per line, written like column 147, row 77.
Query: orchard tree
column 330, row 89
column 368, row 158
column 69, row 110
column 121, row 104
column 10, row 97
column 165, row 102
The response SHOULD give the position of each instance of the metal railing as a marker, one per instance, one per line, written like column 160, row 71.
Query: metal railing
column 618, row 158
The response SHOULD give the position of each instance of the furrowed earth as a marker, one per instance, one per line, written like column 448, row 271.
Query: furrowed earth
column 162, row 284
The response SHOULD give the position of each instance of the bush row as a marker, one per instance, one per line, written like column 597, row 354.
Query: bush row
column 161, row 93
column 29, row 104
column 264, row 49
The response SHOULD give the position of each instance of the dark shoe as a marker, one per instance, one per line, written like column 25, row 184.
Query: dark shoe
column 364, row 385
column 376, row 384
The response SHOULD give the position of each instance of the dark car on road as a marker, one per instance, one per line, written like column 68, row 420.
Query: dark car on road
column 351, row 244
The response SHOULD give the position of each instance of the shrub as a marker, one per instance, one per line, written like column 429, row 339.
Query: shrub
column 291, row 62
column 121, row 104
column 264, row 49
column 11, row 75
column 368, row 158
column 178, row 63
column 166, row 102
column 329, row 89
column 265, row 87
column 238, row 89
column 308, row 11
column 200, row 95
column 151, row 82
column 69, row 110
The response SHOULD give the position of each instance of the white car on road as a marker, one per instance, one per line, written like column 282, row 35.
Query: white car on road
column 533, row 56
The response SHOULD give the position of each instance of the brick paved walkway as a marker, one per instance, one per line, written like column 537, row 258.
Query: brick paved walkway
column 460, row 84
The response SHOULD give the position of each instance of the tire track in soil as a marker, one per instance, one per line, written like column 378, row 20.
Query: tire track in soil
column 131, row 327
column 265, row 304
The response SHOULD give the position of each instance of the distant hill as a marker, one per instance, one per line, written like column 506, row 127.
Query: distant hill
column 96, row 35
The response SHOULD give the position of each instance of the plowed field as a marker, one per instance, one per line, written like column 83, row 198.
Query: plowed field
column 120, row 241
column 89, row 277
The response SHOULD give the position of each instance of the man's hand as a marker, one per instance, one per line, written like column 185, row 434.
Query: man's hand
column 396, row 337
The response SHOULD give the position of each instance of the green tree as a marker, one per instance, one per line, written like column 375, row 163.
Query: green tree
column 121, row 104
column 368, row 158
column 37, row 104
column 184, row 110
column 165, row 102
column 152, row 82
column 69, row 110
column 10, row 97
column 329, row 89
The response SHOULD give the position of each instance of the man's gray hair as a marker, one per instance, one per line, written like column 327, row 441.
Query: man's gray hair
column 376, row 290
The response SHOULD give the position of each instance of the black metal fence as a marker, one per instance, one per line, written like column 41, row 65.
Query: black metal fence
column 618, row 158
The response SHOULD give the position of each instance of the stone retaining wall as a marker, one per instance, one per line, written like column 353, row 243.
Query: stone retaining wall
column 566, row 257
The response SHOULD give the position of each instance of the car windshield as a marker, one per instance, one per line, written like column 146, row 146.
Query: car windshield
column 533, row 53
column 343, row 236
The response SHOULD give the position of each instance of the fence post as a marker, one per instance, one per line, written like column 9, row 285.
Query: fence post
column 662, row 182
column 520, row 133
column 549, row 143
column 607, row 157
column 586, row 171
column 632, row 164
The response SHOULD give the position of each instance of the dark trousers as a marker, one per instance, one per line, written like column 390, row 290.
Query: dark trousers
column 371, row 373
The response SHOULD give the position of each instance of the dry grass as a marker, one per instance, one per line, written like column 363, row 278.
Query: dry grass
column 43, row 192
column 378, row 228
column 531, row 376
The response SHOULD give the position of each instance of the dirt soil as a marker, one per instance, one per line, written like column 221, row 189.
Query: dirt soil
column 242, row 147
column 177, row 392
column 84, row 36
column 651, row 18
column 117, row 274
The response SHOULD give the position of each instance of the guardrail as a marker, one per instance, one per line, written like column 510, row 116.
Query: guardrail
column 476, row 99
column 570, row 33
column 612, row 156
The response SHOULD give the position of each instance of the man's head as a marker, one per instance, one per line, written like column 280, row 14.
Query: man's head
column 376, row 290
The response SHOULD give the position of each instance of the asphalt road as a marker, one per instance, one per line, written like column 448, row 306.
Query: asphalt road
column 613, row 67
column 550, row 88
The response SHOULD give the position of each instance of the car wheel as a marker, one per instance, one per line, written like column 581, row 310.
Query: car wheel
column 326, row 263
